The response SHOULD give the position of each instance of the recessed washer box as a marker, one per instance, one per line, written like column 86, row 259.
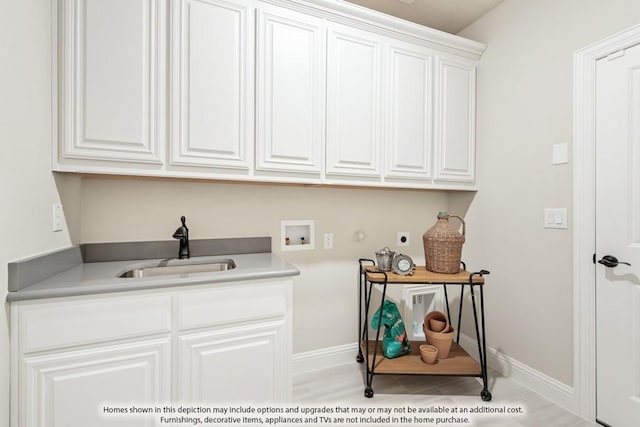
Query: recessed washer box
column 297, row 235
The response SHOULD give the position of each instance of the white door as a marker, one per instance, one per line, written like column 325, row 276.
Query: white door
column 618, row 235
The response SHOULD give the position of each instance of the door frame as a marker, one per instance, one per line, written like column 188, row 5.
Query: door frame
column 584, row 206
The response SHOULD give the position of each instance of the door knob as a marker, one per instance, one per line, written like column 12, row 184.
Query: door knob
column 611, row 261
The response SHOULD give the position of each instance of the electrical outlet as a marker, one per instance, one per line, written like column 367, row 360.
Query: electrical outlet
column 57, row 217
column 403, row 238
column 328, row 240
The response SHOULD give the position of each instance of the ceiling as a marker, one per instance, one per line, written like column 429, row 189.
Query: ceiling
column 450, row 16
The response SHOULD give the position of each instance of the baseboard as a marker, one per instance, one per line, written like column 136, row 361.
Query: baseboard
column 546, row 386
column 324, row 358
column 549, row 388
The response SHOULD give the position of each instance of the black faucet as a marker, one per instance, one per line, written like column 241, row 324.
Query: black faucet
column 182, row 233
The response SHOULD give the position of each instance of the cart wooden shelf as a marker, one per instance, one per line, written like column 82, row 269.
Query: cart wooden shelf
column 458, row 363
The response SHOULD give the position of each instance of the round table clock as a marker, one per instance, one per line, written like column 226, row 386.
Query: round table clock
column 402, row 265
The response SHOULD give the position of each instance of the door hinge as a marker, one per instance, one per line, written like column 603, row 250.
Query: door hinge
column 594, row 258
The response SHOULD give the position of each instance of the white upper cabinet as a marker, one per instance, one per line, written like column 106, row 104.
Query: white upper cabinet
column 211, row 124
column 289, row 91
column 313, row 92
column 409, row 138
column 354, row 92
column 111, row 61
column 456, row 120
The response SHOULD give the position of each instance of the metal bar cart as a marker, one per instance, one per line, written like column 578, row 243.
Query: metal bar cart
column 459, row 363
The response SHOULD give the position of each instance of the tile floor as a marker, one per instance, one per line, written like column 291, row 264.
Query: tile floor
column 344, row 385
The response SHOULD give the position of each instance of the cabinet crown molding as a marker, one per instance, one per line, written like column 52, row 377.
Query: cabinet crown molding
column 399, row 27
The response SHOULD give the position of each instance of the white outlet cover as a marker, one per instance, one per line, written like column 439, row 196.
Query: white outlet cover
column 328, row 240
column 57, row 217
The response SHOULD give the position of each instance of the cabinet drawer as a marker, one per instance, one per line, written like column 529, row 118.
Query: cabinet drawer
column 45, row 325
column 235, row 303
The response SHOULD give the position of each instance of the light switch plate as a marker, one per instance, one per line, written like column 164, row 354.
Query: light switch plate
column 555, row 218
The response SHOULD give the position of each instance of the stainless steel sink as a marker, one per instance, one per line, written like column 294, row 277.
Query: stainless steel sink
column 180, row 269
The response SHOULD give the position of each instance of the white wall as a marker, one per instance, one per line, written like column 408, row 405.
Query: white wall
column 27, row 187
column 325, row 294
column 525, row 94
column 525, row 89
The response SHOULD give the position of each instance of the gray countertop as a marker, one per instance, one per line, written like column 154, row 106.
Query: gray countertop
column 103, row 277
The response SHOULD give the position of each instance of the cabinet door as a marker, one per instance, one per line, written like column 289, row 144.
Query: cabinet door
column 211, row 121
column 249, row 363
column 456, row 120
column 71, row 389
column 354, row 90
column 409, row 140
column 290, row 91
column 111, row 80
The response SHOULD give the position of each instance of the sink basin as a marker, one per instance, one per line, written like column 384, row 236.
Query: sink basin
column 180, row 269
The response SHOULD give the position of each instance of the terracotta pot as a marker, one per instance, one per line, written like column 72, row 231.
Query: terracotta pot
column 437, row 316
column 442, row 340
column 429, row 353
column 437, row 325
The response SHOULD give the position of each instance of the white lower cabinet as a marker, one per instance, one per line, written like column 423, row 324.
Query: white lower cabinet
column 71, row 388
column 74, row 358
column 205, row 356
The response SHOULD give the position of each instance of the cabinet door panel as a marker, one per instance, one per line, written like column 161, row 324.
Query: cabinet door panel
column 410, row 131
column 211, row 361
column 109, row 91
column 456, row 120
column 354, row 84
column 290, row 91
column 210, row 115
column 70, row 389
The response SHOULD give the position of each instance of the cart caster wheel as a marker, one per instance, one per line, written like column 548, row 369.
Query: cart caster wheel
column 485, row 395
column 368, row 392
column 360, row 358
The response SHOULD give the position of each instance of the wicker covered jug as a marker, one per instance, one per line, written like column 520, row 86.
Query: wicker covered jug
column 443, row 245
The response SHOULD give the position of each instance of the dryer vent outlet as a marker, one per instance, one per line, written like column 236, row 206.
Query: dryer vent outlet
column 403, row 238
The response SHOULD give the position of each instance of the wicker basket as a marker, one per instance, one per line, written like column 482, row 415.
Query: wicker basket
column 443, row 245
